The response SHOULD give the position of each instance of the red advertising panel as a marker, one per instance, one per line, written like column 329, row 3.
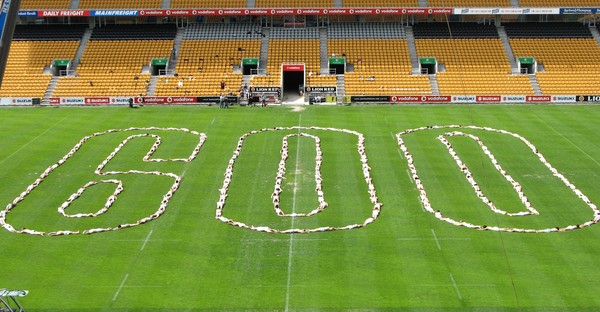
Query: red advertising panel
column 488, row 99
column 293, row 67
column 538, row 99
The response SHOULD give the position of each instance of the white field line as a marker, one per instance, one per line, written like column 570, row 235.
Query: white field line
column 437, row 241
column 427, row 239
column 213, row 121
column 410, row 177
column 398, row 149
column 452, row 285
column 141, row 240
column 291, row 249
column 120, row 287
column 146, row 240
column 31, row 141
column 421, row 203
column 455, row 286
column 277, row 240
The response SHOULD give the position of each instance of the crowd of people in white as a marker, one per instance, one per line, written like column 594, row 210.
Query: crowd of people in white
column 427, row 204
column 99, row 171
column 375, row 212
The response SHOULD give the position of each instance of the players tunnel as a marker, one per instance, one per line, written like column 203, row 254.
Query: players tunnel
column 292, row 79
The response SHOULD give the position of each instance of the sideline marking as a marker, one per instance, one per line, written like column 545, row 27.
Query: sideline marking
column 456, row 287
column 37, row 137
column 421, row 203
column 276, row 240
column 462, row 285
column 410, row 177
column 146, row 241
column 437, row 241
column 291, row 249
column 120, row 287
column 568, row 140
column 426, row 238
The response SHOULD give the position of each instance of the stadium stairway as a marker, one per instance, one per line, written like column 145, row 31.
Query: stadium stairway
column 507, row 47
column 423, row 3
column 595, row 34
column 435, row 89
column 324, row 51
column 515, row 3
column 50, row 90
column 412, row 50
column 250, row 3
column 535, row 85
column 166, row 4
column 177, row 46
column 338, row 3
column 341, row 88
column 152, row 86
column 264, row 50
column 82, row 45
column 74, row 5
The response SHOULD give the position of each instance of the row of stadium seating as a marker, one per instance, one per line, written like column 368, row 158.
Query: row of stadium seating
column 23, row 76
column 112, row 65
column 144, row 4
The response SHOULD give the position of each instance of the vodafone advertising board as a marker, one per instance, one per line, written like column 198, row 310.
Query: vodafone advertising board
column 295, row 11
column 420, row 99
column 153, row 100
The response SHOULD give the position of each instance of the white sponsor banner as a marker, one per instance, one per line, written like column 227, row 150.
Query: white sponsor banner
column 505, row 11
column 541, row 11
column 513, row 99
column 72, row 101
column 16, row 101
column 464, row 99
column 119, row 100
column 564, row 99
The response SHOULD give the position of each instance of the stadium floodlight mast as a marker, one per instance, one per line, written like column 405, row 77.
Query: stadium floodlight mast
column 8, row 300
column 8, row 21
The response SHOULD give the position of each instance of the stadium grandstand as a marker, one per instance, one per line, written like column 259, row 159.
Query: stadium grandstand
column 90, row 48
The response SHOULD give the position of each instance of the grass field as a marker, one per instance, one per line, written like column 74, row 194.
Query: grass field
column 407, row 259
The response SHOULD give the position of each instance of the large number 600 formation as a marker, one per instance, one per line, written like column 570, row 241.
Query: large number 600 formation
column 221, row 203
